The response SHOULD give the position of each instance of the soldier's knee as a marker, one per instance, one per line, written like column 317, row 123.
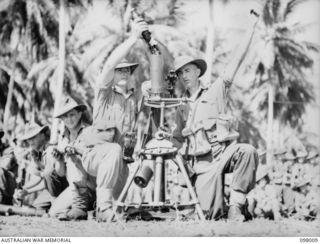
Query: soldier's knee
column 251, row 152
column 116, row 149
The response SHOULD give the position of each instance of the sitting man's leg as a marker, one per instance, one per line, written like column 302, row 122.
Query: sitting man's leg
column 105, row 163
column 54, row 186
column 242, row 160
column 81, row 193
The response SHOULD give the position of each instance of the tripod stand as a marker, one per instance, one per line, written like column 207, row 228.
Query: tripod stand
column 157, row 151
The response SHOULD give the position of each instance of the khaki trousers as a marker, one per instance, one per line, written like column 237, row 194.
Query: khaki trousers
column 104, row 161
column 241, row 159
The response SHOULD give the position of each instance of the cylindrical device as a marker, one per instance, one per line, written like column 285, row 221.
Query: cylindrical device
column 156, row 73
column 159, row 179
column 145, row 173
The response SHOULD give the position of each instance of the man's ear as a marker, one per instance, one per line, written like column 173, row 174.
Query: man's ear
column 198, row 71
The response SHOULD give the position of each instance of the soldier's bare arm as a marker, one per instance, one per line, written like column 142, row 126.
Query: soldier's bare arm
column 106, row 76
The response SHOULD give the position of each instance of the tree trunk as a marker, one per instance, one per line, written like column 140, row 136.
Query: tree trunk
column 209, row 43
column 10, row 89
column 61, row 67
column 270, row 121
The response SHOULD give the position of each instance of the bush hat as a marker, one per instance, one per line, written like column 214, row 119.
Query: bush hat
column 125, row 64
column 67, row 105
column 184, row 60
column 32, row 129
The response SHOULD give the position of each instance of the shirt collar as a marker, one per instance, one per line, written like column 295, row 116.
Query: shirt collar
column 126, row 95
column 66, row 132
column 198, row 93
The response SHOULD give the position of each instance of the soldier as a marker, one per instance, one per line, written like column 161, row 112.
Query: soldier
column 73, row 203
column 47, row 175
column 287, row 207
column 211, row 141
column 114, row 99
column 115, row 111
column 304, row 201
column 263, row 200
column 102, row 159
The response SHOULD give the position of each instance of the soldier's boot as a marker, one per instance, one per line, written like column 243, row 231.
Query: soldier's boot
column 80, row 204
column 237, row 208
column 104, row 211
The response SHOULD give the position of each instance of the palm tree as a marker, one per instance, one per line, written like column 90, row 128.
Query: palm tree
column 25, row 26
column 34, row 24
column 282, row 66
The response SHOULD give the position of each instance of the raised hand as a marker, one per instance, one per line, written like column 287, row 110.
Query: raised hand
column 138, row 25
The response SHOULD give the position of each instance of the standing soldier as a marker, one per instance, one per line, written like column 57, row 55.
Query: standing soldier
column 211, row 141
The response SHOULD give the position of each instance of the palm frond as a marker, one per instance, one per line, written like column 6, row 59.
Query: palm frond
column 290, row 7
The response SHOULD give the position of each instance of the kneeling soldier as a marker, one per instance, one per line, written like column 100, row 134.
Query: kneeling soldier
column 74, row 202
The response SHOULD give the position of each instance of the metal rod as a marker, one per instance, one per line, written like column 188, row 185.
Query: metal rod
column 158, row 181
column 162, row 114
column 190, row 188
column 125, row 189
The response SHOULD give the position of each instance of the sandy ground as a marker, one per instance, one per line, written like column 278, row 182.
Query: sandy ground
column 15, row 226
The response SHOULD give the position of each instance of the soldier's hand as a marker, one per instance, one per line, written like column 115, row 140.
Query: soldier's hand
column 138, row 26
column 70, row 150
column 57, row 154
column 20, row 194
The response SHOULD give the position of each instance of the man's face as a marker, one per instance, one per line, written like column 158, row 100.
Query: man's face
column 71, row 119
column 122, row 76
column 108, row 134
column 37, row 141
column 189, row 75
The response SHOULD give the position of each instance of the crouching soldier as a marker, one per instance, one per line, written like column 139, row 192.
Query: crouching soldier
column 102, row 158
column 47, row 177
column 263, row 200
column 74, row 202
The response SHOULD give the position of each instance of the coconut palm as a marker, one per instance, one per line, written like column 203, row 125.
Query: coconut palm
column 34, row 25
column 282, row 66
column 26, row 27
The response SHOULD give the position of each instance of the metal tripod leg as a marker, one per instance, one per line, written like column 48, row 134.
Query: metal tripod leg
column 190, row 188
column 127, row 185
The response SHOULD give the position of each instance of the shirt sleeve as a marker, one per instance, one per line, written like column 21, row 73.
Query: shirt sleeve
column 218, row 91
column 101, row 100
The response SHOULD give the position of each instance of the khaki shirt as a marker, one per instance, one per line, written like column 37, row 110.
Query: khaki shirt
column 208, row 105
column 73, row 162
column 208, row 102
column 111, row 104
